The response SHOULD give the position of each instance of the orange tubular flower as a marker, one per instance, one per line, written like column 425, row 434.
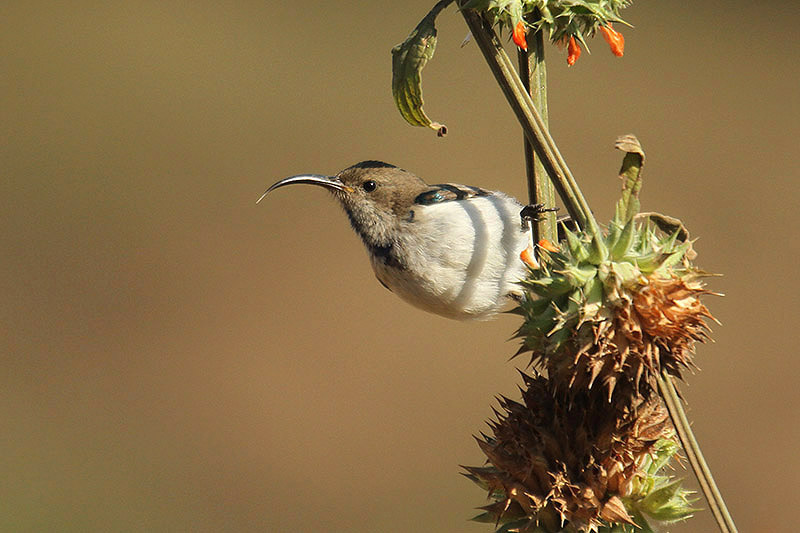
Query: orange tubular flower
column 549, row 246
column 529, row 258
column 573, row 51
column 519, row 35
column 614, row 39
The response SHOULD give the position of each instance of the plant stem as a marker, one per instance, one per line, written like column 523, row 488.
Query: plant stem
column 531, row 121
column 540, row 188
column 694, row 455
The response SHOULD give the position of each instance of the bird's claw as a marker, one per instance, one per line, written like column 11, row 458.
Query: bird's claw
column 531, row 212
column 530, row 215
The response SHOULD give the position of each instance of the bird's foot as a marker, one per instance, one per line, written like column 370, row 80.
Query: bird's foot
column 530, row 215
column 531, row 212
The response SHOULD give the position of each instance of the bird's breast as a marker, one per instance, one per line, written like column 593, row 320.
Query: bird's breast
column 458, row 259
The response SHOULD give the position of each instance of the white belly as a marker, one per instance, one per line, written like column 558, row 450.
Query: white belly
column 461, row 257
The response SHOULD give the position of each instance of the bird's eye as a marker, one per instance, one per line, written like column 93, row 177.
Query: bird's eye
column 369, row 185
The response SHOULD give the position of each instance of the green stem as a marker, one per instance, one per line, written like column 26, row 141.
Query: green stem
column 532, row 123
column 540, row 188
column 694, row 454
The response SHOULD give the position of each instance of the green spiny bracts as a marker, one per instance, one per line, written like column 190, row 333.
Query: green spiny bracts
column 564, row 22
column 559, row 19
column 578, row 466
column 616, row 309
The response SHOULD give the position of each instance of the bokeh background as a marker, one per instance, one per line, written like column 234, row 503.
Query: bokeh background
column 176, row 358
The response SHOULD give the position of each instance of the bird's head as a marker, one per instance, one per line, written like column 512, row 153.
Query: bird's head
column 376, row 196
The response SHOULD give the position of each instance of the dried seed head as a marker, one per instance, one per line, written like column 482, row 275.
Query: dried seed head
column 653, row 326
column 575, row 465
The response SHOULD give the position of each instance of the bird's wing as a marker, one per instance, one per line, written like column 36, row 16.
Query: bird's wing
column 446, row 192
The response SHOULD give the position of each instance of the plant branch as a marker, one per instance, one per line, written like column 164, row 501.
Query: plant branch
column 531, row 121
column 540, row 188
column 694, row 455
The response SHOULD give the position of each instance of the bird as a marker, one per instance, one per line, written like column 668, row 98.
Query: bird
column 449, row 249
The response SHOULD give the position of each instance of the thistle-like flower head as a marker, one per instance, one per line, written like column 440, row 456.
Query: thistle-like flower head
column 569, row 22
column 616, row 309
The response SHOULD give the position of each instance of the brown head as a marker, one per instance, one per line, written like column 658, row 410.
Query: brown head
column 376, row 196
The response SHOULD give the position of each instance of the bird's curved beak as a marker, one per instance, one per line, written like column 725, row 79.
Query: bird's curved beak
column 329, row 182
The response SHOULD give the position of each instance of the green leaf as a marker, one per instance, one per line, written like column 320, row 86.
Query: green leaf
column 662, row 453
column 669, row 225
column 625, row 273
column 624, row 241
column 593, row 299
column 507, row 11
column 578, row 276
column 648, row 263
column 668, row 503
column 408, row 60
column 549, row 287
column 641, row 521
column 598, row 252
column 675, row 257
column 631, row 176
column 575, row 245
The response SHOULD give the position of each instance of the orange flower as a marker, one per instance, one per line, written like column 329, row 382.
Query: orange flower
column 549, row 246
column 573, row 51
column 614, row 39
column 528, row 257
column 519, row 35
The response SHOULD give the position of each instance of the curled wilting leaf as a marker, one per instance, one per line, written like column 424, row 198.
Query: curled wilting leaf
column 408, row 60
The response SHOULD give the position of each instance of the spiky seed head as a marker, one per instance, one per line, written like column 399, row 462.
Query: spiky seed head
column 577, row 466
column 610, row 311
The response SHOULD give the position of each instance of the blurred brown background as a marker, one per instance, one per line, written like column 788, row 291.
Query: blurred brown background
column 176, row 358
